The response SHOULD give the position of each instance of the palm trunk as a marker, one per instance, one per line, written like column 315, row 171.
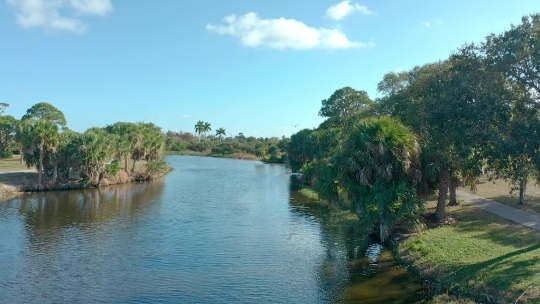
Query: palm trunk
column 55, row 174
column 126, row 164
column 454, row 182
column 133, row 167
column 443, row 193
column 40, row 173
column 522, row 188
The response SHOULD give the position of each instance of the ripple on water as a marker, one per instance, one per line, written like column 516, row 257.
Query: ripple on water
column 213, row 231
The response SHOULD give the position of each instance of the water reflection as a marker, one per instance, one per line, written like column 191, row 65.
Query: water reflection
column 370, row 271
column 50, row 210
column 213, row 231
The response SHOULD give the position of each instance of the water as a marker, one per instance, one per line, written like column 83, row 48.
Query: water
column 212, row 231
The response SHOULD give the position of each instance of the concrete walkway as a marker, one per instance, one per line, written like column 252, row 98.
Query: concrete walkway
column 21, row 171
column 515, row 215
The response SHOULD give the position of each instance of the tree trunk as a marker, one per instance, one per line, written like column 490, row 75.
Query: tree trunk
column 40, row 173
column 522, row 188
column 454, row 182
column 55, row 174
column 126, row 164
column 443, row 193
column 133, row 167
column 21, row 153
column 384, row 232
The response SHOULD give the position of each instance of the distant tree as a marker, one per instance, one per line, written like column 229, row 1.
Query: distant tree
column 220, row 133
column 345, row 106
column 8, row 126
column 273, row 151
column 207, row 128
column 3, row 107
column 200, row 128
column 46, row 111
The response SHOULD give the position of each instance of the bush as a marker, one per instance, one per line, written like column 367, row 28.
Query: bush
column 113, row 168
column 157, row 167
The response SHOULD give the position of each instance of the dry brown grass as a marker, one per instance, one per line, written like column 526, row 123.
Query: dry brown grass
column 499, row 190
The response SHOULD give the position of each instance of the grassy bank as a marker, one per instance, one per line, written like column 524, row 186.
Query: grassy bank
column 479, row 258
column 482, row 257
column 499, row 190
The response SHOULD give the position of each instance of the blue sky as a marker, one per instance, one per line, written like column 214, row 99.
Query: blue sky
column 260, row 72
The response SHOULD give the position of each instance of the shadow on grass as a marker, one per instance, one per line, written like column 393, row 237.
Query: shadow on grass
column 19, row 179
column 484, row 225
column 497, row 277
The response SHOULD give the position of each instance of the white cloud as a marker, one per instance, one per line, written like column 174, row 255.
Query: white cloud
column 48, row 13
column 439, row 21
column 186, row 116
column 344, row 8
column 398, row 70
column 282, row 33
column 426, row 24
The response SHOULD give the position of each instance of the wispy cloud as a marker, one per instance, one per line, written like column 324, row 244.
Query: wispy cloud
column 186, row 116
column 345, row 8
column 398, row 70
column 282, row 33
column 432, row 24
column 51, row 14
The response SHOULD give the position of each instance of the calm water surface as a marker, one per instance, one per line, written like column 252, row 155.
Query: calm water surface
column 212, row 231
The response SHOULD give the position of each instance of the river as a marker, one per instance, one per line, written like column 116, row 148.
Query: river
column 212, row 231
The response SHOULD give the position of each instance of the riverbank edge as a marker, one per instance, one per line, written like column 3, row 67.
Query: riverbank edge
column 7, row 191
column 434, row 291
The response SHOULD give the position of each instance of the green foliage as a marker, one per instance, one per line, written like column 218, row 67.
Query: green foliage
column 8, row 126
column 157, row 167
column 346, row 105
column 45, row 111
column 113, row 168
column 378, row 167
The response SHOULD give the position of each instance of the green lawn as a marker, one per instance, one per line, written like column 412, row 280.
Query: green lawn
column 12, row 164
column 481, row 257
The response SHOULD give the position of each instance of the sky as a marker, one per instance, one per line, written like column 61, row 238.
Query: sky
column 257, row 67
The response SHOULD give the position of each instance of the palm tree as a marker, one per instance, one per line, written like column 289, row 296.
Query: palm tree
column 207, row 128
column 378, row 167
column 38, row 137
column 220, row 133
column 199, row 128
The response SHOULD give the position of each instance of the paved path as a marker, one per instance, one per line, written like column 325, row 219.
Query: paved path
column 515, row 215
column 22, row 171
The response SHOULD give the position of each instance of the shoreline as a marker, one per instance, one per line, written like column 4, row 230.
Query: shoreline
column 238, row 155
column 12, row 189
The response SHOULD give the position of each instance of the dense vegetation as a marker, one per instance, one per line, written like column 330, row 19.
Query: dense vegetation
column 42, row 138
column 434, row 126
column 267, row 149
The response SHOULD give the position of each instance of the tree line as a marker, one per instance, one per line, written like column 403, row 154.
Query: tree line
column 44, row 141
column 270, row 149
column 435, row 126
